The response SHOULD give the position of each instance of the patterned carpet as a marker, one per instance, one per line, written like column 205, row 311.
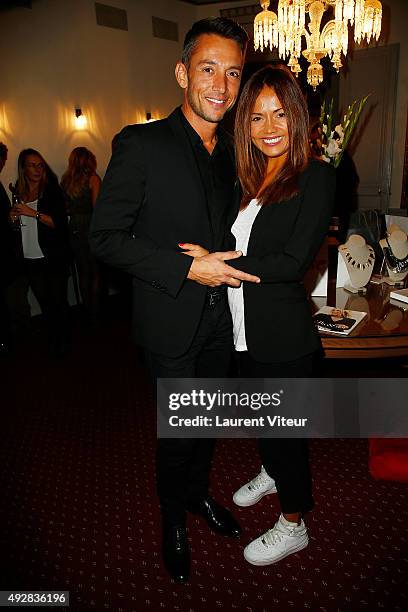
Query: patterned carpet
column 78, row 507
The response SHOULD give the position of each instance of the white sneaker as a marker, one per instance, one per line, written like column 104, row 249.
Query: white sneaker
column 282, row 540
column 255, row 489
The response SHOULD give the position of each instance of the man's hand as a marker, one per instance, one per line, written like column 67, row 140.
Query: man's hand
column 211, row 270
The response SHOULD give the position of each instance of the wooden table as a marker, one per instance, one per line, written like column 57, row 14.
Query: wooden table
column 383, row 333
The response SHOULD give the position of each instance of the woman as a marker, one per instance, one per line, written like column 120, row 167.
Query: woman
column 283, row 217
column 45, row 247
column 81, row 186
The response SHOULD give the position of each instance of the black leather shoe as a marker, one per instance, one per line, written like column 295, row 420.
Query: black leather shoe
column 218, row 518
column 176, row 553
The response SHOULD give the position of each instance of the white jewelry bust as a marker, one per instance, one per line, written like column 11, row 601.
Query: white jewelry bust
column 359, row 258
column 395, row 248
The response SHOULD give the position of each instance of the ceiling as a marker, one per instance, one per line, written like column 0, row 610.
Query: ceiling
column 198, row 2
column 7, row 4
column 27, row 3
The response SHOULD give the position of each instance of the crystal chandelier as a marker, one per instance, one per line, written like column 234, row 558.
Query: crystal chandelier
column 284, row 31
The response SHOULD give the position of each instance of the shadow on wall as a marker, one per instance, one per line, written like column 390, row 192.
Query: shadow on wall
column 98, row 131
column 6, row 122
column 69, row 135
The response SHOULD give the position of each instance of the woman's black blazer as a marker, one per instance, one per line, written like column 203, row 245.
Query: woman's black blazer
column 284, row 240
column 54, row 242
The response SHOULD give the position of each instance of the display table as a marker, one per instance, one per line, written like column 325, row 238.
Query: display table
column 383, row 333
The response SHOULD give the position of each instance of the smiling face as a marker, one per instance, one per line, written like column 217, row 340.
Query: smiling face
column 211, row 81
column 269, row 127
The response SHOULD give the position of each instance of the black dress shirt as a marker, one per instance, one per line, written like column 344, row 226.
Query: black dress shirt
column 218, row 176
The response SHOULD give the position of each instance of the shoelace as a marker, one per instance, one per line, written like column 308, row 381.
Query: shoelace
column 259, row 480
column 276, row 534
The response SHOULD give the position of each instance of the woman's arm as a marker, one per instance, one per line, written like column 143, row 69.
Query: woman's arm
column 26, row 211
column 52, row 207
column 94, row 185
column 291, row 264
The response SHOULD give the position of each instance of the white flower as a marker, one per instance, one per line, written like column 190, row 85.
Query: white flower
column 333, row 148
column 333, row 141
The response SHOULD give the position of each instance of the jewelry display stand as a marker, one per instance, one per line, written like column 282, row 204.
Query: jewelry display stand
column 359, row 258
column 395, row 249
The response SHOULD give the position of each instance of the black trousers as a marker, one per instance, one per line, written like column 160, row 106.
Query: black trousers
column 48, row 281
column 286, row 460
column 5, row 328
column 183, row 465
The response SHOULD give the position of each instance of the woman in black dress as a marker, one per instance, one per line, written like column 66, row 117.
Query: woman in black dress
column 81, row 185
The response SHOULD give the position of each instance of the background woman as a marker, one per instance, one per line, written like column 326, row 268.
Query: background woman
column 284, row 215
column 45, row 243
column 81, row 185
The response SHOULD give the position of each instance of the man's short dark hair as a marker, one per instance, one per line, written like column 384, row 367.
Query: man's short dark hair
column 226, row 28
column 3, row 151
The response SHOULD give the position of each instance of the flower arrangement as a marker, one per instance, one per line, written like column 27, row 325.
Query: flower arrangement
column 334, row 141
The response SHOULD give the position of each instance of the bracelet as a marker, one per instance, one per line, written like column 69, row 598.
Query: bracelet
column 38, row 216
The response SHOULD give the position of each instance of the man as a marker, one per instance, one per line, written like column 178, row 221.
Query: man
column 8, row 261
column 169, row 183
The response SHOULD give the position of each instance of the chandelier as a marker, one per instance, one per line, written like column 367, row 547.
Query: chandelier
column 284, row 31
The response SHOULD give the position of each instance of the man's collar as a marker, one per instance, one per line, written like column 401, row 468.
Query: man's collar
column 195, row 136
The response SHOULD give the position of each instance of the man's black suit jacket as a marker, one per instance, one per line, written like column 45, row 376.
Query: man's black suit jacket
column 8, row 241
column 152, row 198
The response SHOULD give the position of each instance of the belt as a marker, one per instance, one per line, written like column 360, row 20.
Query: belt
column 214, row 295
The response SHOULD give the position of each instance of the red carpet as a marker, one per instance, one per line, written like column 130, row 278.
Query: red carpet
column 79, row 513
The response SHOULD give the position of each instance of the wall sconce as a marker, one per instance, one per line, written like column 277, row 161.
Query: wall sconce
column 147, row 116
column 80, row 120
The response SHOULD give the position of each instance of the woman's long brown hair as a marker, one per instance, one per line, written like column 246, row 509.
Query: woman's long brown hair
column 251, row 162
column 21, row 184
column 81, row 166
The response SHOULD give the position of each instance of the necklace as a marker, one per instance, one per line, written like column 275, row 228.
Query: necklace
column 394, row 264
column 358, row 264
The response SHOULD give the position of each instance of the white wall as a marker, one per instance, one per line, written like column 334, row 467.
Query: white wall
column 54, row 57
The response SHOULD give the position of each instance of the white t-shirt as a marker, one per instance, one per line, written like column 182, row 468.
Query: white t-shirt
column 241, row 230
column 29, row 235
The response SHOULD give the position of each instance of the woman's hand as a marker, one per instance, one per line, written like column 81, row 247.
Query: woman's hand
column 194, row 250
column 13, row 216
column 23, row 210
